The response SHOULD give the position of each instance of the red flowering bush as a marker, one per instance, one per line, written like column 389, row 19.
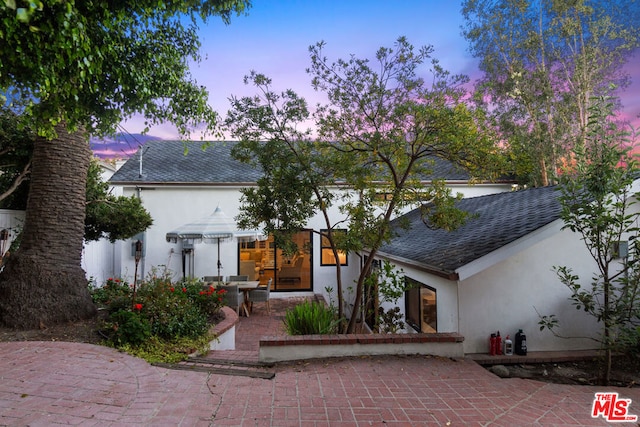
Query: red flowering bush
column 114, row 295
column 209, row 299
column 157, row 306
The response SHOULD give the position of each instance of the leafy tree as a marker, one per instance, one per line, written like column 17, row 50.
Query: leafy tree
column 16, row 147
column 377, row 135
column 597, row 203
column 78, row 68
column 298, row 178
column 543, row 63
column 113, row 217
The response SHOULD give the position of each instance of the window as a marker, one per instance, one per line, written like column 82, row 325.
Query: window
column 421, row 306
column 263, row 260
column 326, row 254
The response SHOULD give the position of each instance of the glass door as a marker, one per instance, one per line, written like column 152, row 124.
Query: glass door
column 292, row 272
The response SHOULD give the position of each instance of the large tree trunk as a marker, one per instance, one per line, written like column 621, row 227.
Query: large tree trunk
column 43, row 282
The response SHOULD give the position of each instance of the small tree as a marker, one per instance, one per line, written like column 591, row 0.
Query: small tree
column 113, row 217
column 597, row 203
column 377, row 138
column 16, row 149
column 298, row 178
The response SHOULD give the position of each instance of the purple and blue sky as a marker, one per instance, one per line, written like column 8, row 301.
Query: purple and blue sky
column 274, row 37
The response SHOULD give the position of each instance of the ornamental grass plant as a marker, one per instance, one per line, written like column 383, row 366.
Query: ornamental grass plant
column 311, row 318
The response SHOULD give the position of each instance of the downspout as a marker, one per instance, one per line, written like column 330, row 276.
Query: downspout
column 361, row 314
column 139, row 196
column 458, row 307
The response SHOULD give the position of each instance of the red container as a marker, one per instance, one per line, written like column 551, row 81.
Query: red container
column 492, row 345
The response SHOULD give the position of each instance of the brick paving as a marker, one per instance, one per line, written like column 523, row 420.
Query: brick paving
column 49, row 383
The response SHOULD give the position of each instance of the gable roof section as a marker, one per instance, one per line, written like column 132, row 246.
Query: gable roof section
column 165, row 162
column 499, row 219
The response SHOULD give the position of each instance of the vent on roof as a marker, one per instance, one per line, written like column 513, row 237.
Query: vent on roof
column 141, row 151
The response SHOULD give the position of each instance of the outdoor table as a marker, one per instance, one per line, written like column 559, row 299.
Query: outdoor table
column 245, row 287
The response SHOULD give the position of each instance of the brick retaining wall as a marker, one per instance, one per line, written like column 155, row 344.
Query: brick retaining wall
column 282, row 348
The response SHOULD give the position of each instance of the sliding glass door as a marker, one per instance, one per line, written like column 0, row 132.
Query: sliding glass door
column 291, row 272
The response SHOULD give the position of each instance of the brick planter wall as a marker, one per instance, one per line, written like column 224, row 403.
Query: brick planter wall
column 225, row 331
column 284, row 348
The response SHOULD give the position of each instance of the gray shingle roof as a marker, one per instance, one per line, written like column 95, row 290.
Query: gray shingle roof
column 501, row 219
column 164, row 162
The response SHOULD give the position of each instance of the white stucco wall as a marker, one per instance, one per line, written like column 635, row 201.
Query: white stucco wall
column 173, row 206
column 509, row 296
column 101, row 259
column 170, row 209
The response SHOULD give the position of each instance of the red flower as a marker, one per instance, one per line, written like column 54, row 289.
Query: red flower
column 171, row 289
column 202, row 292
column 137, row 307
column 184, row 289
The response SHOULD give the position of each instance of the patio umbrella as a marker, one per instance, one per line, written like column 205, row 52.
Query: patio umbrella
column 216, row 227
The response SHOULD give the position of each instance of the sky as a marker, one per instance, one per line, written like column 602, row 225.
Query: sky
column 274, row 37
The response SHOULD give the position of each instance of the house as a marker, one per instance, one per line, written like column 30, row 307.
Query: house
column 180, row 182
column 495, row 273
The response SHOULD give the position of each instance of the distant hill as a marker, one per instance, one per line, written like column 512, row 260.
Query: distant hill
column 120, row 146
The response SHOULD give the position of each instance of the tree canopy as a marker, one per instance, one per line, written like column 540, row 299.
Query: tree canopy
column 543, row 64
column 95, row 63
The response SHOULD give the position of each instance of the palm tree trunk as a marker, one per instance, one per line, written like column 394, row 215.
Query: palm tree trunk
column 43, row 282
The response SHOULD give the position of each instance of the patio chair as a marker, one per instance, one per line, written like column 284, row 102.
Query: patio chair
column 233, row 297
column 241, row 278
column 213, row 279
column 261, row 294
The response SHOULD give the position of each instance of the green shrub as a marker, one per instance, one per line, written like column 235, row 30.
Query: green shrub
column 155, row 350
column 207, row 298
column 127, row 327
column 114, row 295
column 170, row 311
column 390, row 321
column 159, row 309
column 311, row 318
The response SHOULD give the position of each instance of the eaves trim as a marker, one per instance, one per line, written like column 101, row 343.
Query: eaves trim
column 181, row 184
column 504, row 252
column 447, row 274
